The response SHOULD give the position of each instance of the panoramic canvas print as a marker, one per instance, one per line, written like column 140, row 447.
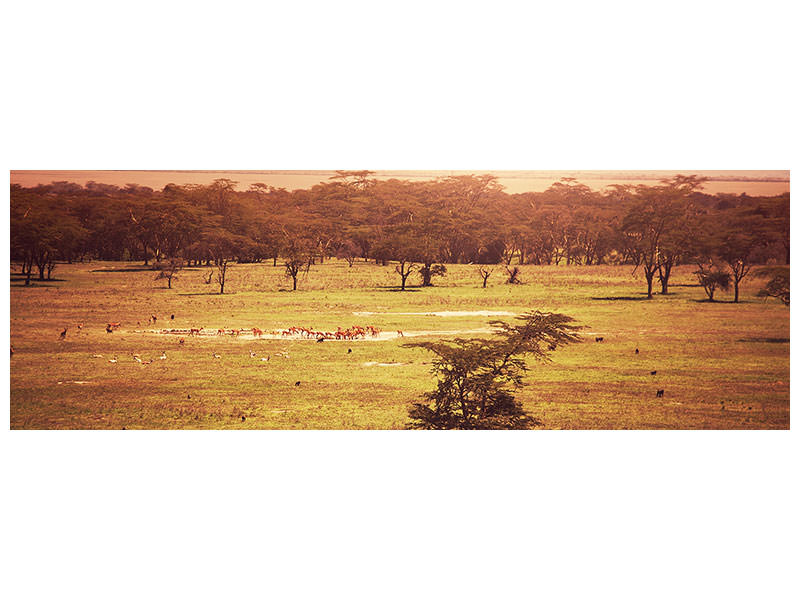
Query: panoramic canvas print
column 359, row 299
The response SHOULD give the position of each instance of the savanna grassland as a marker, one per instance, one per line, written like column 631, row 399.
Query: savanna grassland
column 721, row 365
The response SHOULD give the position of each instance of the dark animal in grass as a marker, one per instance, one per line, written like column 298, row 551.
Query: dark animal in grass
column 653, row 372
column 660, row 394
column 172, row 317
column 349, row 350
column 63, row 333
column 637, row 351
column 297, row 383
column 320, row 340
column 109, row 329
column 598, row 339
column 243, row 418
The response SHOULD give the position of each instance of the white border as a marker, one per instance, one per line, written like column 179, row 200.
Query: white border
column 399, row 86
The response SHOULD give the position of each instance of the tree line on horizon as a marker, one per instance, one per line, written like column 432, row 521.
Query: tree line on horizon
column 419, row 226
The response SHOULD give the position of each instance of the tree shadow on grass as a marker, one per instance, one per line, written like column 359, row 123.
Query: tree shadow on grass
column 203, row 293
column 765, row 340
column 123, row 270
column 715, row 301
column 35, row 284
column 625, row 298
column 142, row 268
column 18, row 277
column 396, row 288
column 690, row 285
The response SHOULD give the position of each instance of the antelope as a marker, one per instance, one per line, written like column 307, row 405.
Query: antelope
column 63, row 333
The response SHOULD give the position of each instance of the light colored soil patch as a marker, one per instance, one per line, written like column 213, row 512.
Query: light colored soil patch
column 444, row 313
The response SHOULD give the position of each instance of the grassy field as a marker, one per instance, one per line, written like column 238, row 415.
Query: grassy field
column 722, row 365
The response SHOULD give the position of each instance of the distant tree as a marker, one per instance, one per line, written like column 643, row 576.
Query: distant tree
column 218, row 247
column 654, row 224
column 777, row 286
column 298, row 254
column 347, row 250
column 485, row 272
column 404, row 269
column 477, row 378
column 428, row 272
column 712, row 278
column 168, row 269
column 737, row 243
column 513, row 275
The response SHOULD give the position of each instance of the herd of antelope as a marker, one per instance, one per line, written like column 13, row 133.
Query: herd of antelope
column 356, row 332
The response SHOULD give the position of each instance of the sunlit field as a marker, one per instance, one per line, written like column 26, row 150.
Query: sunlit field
column 721, row 365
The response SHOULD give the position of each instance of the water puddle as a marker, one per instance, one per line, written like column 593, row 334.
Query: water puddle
column 443, row 313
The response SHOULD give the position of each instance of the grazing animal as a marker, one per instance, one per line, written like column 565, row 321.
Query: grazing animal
column 215, row 355
column 653, row 372
column 598, row 339
column 109, row 329
column 265, row 359
column 97, row 356
column 163, row 356
column 195, row 331
column 637, row 351
column 63, row 333
column 400, row 333
column 154, row 319
column 80, row 326
column 297, row 383
column 172, row 317
column 112, row 360
column 252, row 354
column 349, row 350
column 243, row 418
column 181, row 341
column 660, row 394
column 320, row 340
column 137, row 359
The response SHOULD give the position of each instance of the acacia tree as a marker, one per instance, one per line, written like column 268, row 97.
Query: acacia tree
column 168, row 270
column 298, row 254
column 218, row 247
column 712, row 278
column 485, row 272
column 653, row 224
column 477, row 377
column 737, row 243
column 777, row 286
column 404, row 269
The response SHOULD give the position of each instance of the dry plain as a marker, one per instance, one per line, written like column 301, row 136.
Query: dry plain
column 721, row 365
